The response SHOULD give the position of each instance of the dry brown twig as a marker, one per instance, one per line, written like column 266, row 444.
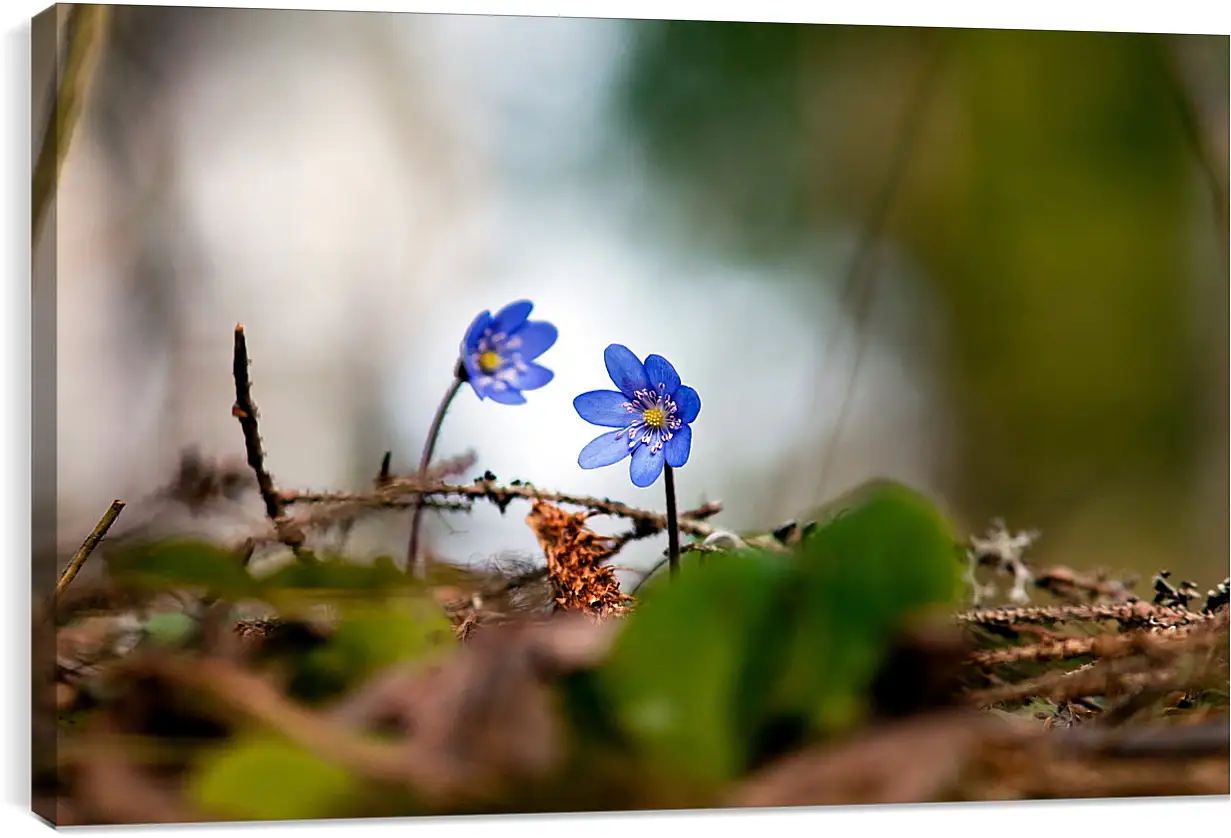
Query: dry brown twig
column 399, row 490
column 1069, row 584
column 1103, row 678
column 1132, row 613
column 245, row 411
column 1099, row 646
column 343, row 515
column 88, row 546
column 645, row 529
column 1119, row 672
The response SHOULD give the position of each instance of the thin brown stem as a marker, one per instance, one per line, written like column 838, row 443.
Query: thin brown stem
column 429, row 447
column 87, row 547
column 673, row 524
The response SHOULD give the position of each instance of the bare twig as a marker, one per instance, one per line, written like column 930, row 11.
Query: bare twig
column 1060, row 686
column 86, row 32
column 646, row 528
column 88, row 546
column 1117, row 674
column 1104, row 645
column 1070, row 584
column 245, row 411
column 344, row 515
column 1101, row 646
column 1134, row 613
column 397, row 488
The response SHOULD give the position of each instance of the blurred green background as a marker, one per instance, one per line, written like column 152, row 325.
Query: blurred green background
column 1062, row 198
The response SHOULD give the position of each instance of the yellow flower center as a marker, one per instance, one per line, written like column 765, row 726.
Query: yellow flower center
column 489, row 362
column 655, row 418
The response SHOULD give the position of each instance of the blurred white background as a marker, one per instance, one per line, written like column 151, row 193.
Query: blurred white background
column 354, row 189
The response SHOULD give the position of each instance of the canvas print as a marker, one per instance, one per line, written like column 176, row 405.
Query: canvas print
column 457, row 414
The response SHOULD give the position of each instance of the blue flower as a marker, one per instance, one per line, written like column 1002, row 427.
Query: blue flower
column 498, row 353
column 653, row 412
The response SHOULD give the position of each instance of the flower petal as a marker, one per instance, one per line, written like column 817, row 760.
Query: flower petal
column 627, row 373
column 678, row 447
column 604, row 408
column 500, row 392
column 660, row 372
column 533, row 339
column 604, row 450
column 688, row 404
column 532, row 378
column 509, row 318
column 647, row 464
column 471, row 341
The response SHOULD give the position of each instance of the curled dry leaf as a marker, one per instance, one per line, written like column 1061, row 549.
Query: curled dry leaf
column 575, row 561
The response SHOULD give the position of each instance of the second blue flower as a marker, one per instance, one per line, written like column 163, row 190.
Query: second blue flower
column 498, row 353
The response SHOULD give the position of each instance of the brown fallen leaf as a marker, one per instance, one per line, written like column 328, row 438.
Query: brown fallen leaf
column 909, row 761
column 486, row 718
column 112, row 788
column 575, row 561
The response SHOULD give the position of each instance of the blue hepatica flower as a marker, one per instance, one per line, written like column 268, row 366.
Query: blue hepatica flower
column 498, row 353
column 653, row 412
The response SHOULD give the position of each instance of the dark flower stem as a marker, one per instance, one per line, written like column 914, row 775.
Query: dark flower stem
column 429, row 447
column 673, row 524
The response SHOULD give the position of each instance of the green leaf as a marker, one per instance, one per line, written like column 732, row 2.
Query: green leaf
column 271, row 779
column 294, row 589
column 336, row 574
column 748, row 653
column 679, row 664
column 170, row 629
column 887, row 556
column 376, row 638
column 370, row 637
column 182, row 563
